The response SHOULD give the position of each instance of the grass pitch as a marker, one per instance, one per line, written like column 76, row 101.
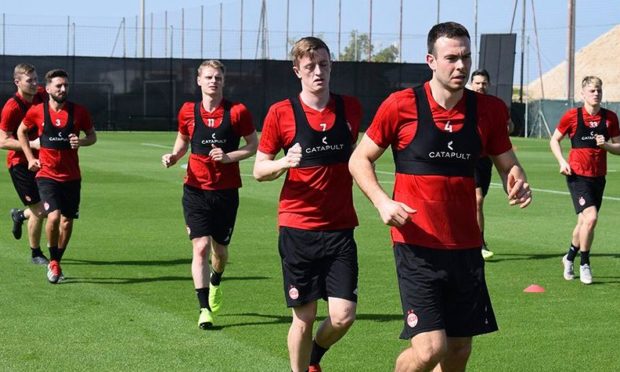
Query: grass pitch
column 129, row 303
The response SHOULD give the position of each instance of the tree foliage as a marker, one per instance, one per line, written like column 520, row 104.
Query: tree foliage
column 359, row 48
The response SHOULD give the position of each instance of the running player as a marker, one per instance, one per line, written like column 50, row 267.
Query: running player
column 593, row 131
column 480, row 82
column 59, row 123
column 437, row 132
column 13, row 112
column 213, row 126
column 317, row 130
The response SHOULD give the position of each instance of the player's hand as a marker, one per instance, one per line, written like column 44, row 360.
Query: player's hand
column 217, row 154
column 35, row 144
column 74, row 141
column 565, row 168
column 600, row 140
column 395, row 213
column 34, row 165
column 519, row 192
column 293, row 156
column 168, row 160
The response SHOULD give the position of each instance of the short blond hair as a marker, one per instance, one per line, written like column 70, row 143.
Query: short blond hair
column 594, row 80
column 213, row 63
column 307, row 46
column 22, row 69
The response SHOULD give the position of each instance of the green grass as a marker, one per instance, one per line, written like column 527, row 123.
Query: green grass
column 129, row 303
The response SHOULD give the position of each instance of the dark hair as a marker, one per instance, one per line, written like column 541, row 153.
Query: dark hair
column 481, row 72
column 55, row 73
column 450, row 30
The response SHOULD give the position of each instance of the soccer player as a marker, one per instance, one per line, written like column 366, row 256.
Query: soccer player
column 593, row 131
column 14, row 110
column 317, row 131
column 59, row 123
column 437, row 132
column 480, row 82
column 213, row 126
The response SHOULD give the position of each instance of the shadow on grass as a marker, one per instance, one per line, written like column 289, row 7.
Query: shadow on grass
column 286, row 319
column 137, row 280
column 499, row 257
column 602, row 280
column 180, row 261
column 79, row 280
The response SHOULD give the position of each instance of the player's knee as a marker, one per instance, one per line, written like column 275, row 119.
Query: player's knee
column 221, row 253
column 53, row 218
column 66, row 223
column 303, row 323
column 461, row 353
column 201, row 247
column 343, row 319
column 432, row 352
column 590, row 221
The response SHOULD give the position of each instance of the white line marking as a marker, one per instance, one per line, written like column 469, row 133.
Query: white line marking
column 499, row 185
column 155, row 145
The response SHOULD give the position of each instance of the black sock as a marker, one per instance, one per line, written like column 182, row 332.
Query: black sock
column 61, row 252
column 203, row 297
column 585, row 258
column 216, row 278
column 483, row 241
column 317, row 353
column 572, row 252
column 36, row 252
column 54, row 254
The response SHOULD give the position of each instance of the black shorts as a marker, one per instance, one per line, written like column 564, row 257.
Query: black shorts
column 482, row 174
column 443, row 289
column 25, row 184
column 318, row 264
column 586, row 191
column 210, row 213
column 63, row 196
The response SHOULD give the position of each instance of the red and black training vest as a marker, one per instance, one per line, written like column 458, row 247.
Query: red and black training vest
column 54, row 137
column 204, row 137
column 584, row 135
column 322, row 148
column 436, row 152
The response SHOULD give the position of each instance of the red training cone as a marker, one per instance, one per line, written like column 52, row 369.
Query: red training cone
column 534, row 288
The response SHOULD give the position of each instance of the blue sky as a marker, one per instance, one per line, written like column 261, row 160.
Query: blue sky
column 42, row 29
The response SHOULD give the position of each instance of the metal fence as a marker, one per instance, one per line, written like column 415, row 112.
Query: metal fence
column 146, row 94
column 542, row 117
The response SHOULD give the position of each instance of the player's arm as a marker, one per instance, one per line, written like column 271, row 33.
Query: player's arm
column 7, row 142
column 612, row 146
column 89, row 139
column 179, row 149
column 514, row 178
column 361, row 166
column 251, row 143
column 556, row 149
column 267, row 168
column 22, row 136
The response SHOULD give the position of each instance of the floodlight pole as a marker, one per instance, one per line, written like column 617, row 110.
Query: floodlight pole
column 571, row 54
column 522, row 50
column 142, row 26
